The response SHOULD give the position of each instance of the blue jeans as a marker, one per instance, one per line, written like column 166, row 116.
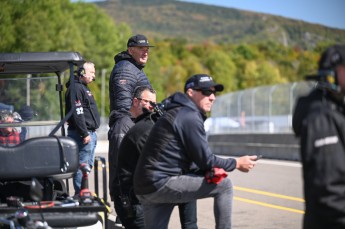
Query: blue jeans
column 185, row 188
column 86, row 155
column 188, row 215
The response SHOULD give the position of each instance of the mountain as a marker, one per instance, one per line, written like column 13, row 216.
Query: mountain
column 195, row 23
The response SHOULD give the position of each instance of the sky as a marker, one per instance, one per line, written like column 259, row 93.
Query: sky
column 329, row 13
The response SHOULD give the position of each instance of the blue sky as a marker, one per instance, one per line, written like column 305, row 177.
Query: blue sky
column 330, row 13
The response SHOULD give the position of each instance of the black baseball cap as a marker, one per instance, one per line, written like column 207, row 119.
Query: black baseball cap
column 27, row 113
column 202, row 81
column 332, row 57
column 138, row 40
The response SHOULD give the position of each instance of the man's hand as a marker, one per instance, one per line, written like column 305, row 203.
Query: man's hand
column 245, row 163
column 86, row 140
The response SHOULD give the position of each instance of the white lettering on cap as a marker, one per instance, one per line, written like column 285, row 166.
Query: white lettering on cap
column 205, row 78
column 142, row 41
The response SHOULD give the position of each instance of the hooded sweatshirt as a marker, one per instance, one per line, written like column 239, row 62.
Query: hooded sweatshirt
column 177, row 142
column 85, row 116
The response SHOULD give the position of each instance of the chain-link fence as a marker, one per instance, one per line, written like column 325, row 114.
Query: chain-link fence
column 266, row 109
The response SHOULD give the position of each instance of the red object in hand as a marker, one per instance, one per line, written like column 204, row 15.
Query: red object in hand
column 216, row 175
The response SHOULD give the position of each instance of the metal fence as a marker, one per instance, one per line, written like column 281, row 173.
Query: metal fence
column 266, row 109
column 41, row 95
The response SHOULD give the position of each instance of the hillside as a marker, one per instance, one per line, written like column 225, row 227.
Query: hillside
column 197, row 23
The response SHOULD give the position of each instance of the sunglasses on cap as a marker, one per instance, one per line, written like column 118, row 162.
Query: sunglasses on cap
column 206, row 92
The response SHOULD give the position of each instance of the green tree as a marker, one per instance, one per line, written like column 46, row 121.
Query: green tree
column 7, row 28
column 41, row 26
column 268, row 74
column 159, row 67
column 49, row 25
column 222, row 69
column 308, row 62
column 101, row 37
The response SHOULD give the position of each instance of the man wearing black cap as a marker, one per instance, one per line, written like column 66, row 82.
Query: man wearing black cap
column 177, row 144
column 320, row 123
column 126, row 76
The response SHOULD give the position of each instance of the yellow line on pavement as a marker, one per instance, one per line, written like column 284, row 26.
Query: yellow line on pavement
column 268, row 205
column 268, row 194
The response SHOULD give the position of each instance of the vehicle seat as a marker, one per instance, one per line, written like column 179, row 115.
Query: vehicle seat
column 48, row 159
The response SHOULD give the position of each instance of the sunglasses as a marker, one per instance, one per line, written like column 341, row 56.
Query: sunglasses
column 206, row 92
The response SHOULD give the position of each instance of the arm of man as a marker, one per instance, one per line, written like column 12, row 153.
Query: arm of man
column 246, row 163
column 197, row 147
column 192, row 133
column 123, row 86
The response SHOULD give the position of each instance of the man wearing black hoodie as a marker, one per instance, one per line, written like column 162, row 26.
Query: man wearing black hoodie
column 127, row 205
column 165, row 173
column 85, row 118
column 126, row 76
column 319, row 121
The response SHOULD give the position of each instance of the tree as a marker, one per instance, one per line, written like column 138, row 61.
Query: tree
column 7, row 28
column 40, row 26
column 49, row 25
column 222, row 69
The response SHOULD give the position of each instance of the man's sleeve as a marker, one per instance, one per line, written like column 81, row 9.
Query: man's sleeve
column 299, row 115
column 123, row 84
column 192, row 132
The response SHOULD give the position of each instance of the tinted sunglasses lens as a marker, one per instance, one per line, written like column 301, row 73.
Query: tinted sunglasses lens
column 208, row 92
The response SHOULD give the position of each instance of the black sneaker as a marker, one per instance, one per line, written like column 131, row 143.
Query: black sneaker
column 118, row 222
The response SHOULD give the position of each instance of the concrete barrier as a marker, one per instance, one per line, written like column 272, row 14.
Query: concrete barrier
column 270, row 146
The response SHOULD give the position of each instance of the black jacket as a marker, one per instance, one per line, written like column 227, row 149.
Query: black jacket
column 85, row 117
column 130, row 150
column 116, row 134
column 303, row 105
column 125, row 77
column 176, row 142
column 320, row 122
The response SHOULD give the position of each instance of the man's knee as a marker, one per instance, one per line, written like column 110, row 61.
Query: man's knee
column 225, row 185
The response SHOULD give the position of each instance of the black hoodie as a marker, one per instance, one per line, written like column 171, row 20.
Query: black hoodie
column 176, row 143
column 320, row 123
column 85, row 116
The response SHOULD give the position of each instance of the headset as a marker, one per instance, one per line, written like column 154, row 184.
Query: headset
column 327, row 76
column 329, row 60
column 81, row 71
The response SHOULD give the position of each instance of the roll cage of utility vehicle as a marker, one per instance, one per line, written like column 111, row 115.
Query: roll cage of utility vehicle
column 31, row 89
